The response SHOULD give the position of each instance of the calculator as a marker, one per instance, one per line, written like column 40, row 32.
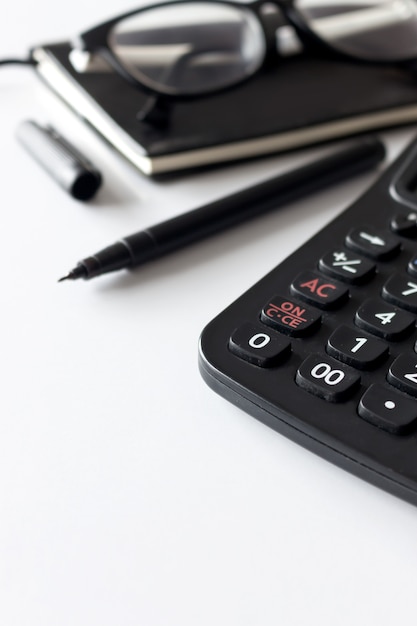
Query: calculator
column 323, row 348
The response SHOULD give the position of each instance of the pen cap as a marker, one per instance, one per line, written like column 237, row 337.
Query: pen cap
column 65, row 164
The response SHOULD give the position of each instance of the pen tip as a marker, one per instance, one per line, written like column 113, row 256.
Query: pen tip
column 77, row 272
column 66, row 277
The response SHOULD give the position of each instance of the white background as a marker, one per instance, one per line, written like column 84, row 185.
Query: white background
column 129, row 492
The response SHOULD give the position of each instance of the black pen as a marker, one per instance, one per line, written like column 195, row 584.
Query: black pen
column 219, row 215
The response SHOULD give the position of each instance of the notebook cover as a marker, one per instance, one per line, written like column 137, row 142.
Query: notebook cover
column 302, row 100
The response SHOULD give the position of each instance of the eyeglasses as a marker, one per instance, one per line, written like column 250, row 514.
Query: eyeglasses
column 187, row 49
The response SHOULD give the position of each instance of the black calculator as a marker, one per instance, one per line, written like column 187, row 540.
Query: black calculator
column 323, row 348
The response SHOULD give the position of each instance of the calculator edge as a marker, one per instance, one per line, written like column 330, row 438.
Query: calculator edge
column 247, row 402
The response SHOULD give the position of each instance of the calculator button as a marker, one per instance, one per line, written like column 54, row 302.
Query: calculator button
column 324, row 377
column 349, row 346
column 347, row 267
column 405, row 224
column 318, row 290
column 403, row 374
column 412, row 266
column 384, row 320
column 373, row 243
column 253, row 343
column 402, row 291
column 290, row 317
column 388, row 409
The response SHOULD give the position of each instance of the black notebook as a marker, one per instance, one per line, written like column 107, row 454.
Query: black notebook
column 301, row 101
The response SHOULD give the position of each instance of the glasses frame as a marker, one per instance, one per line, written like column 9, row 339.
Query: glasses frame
column 96, row 41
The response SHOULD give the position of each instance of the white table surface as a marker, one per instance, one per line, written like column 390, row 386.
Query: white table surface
column 130, row 493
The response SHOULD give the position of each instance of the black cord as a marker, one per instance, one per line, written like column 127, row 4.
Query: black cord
column 28, row 61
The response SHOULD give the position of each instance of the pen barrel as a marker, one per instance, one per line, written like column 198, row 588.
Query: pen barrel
column 217, row 216
column 224, row 213
column 110, row 259
column 142, row 247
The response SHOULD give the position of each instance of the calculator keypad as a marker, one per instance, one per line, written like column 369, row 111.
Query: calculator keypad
column 334, row 374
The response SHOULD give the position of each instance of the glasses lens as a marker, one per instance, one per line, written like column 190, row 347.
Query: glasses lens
column 374, row 30
column 190, row 48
